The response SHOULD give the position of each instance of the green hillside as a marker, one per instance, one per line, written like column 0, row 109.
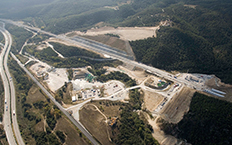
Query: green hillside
column 199, row 39
column 207, row 122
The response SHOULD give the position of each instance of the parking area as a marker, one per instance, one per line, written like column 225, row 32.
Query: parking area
column 93, row 93
column 112, row 87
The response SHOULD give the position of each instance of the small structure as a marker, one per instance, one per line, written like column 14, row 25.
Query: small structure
column 74, row 98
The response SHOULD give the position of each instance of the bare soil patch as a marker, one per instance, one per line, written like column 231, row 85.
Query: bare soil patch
column 111, row 41
column 137, row 74
column 159, row 135
column 125, row 33
column 217, row 84
column 176, row 108
column 72, row 134
column 152, row 100
column 95, row 124
column 191, row 6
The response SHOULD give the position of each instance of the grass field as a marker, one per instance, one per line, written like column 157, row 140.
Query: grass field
column 152, row 100
column 109, row 108
column 95, row 121
column 95, row 124
column 73, row 136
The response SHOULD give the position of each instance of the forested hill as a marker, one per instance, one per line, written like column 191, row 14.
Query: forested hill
column 199, row 40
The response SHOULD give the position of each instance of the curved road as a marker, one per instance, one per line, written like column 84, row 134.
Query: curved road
column 7, row 121
column 6, row 117
column 12, row 93
column 104, row 49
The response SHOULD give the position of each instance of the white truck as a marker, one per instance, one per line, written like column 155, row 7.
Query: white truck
column 5, row 101
column 13, row 112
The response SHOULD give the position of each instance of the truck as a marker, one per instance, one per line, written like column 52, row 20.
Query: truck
column 13, row 112
column 5, row 101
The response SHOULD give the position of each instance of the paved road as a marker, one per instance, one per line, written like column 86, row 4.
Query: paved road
column 76, row 123
column 104, row 49
column 12, row 93
column 6, row 117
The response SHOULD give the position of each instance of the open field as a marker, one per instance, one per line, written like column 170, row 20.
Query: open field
column 109, row 108
column 95, row 124
column 125, row 33
column 71, row 133
column 152, row 100
column 178, row 105
column 34, row 95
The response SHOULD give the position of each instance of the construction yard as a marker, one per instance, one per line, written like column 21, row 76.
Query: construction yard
column 216, row 83
column 55, row 78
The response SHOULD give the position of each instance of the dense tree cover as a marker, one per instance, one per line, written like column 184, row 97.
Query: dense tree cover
column 207, row 122
column 38, row 38
column 69, row 51
column 3, row 138
column 61, row 135
column 132, row 129
column 43, row 138
column 70, row 74
column 49, row 56
column 97, row 72
column 2, row 39
column 199, row 41
column 117, row 76
column 19, row 35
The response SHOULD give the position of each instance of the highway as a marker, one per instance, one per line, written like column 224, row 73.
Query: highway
column 12, row 93
column 76, row 123
column 99, row 48
column 6, row 117
column 104, row 49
